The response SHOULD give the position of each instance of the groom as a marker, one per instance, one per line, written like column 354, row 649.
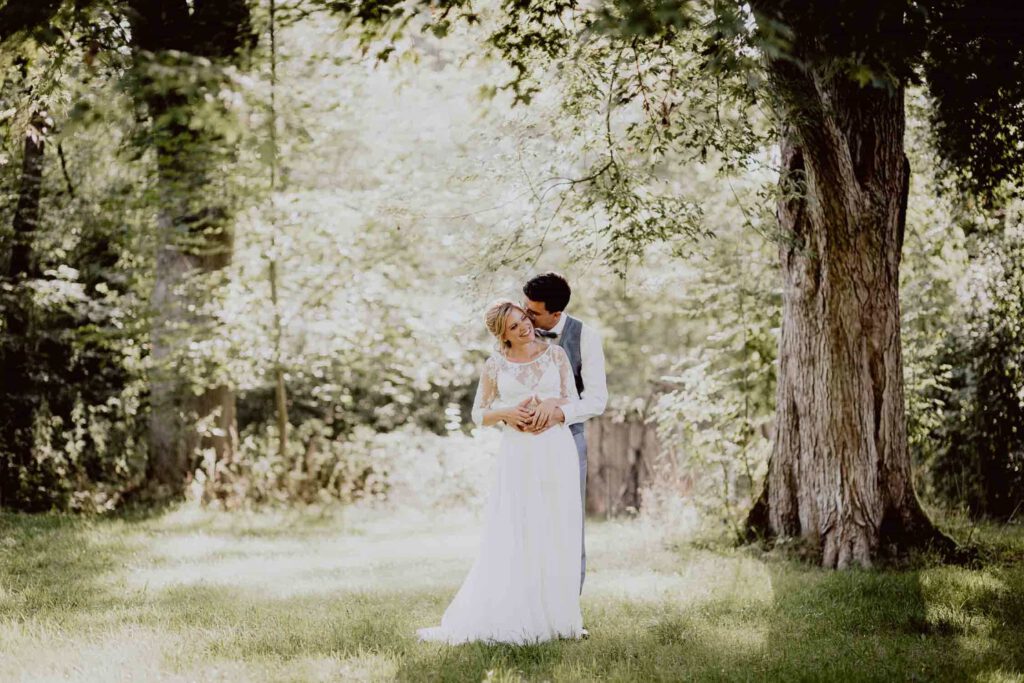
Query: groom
column 547, row 295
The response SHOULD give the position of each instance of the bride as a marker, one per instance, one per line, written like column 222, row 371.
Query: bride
column 523, row 586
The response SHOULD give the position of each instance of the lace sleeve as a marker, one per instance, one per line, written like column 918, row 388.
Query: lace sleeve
column 567, row 383
column 486, row 391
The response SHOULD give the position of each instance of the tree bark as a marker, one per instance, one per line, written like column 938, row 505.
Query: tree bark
column 839, row 474
column 181, row 422
column 26, row 215
column 194, row 225
column 18, row 406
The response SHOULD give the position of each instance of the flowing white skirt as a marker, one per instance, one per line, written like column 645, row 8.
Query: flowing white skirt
column 523, row 586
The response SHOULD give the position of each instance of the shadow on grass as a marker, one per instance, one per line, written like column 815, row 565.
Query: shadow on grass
column 54, row 564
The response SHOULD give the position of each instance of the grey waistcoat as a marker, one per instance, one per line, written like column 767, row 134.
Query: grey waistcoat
column 570, row 341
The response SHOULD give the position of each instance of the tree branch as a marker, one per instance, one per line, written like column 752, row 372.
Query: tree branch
column 64, row 170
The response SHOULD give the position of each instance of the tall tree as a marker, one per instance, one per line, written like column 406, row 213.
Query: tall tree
column 60, row 353
column 18, row 407
column 181, row 50
column 840, row 469
column 280, row 390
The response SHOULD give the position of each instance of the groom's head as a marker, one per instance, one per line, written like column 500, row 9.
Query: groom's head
column 547, row 295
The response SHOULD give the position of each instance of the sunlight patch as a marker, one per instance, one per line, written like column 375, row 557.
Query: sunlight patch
column 741, row 639
column 286, row 567
column 367, row 666
column 999, row 676
column 127, row 654
column 957, row 601
column 699, row 580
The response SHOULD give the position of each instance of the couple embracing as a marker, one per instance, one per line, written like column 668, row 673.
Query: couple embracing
column 544, row 380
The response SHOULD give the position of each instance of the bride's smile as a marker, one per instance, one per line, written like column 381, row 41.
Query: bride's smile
column 520, row 327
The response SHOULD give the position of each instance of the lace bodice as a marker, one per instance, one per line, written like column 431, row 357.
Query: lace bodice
column 505, row 383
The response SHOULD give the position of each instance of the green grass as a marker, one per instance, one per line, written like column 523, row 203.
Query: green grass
column 187, row 595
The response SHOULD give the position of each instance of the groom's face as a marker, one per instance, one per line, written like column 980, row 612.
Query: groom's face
column 539, row 314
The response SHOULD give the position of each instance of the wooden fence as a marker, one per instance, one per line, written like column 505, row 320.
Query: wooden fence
column 620, row 462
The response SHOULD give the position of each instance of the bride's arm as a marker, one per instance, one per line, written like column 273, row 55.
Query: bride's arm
column 485, row 413
column 515, row 417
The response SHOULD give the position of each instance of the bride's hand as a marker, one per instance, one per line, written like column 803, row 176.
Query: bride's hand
column 547, row 414
column 519, row 417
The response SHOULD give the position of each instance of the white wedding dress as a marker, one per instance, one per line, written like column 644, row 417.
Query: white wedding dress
column 523, row 586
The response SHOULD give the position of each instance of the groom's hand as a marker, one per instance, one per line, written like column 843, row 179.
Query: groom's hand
column 547, row 414
column 521, row 416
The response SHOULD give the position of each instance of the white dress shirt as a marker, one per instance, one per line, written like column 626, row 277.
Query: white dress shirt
column 594, row 398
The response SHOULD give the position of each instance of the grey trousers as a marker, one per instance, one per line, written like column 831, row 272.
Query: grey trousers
column 581, row 450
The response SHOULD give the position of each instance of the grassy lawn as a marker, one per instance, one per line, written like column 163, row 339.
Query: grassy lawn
column 186, row 595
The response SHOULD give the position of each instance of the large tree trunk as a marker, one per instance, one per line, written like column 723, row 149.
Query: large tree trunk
column 839, row 474
column 195, row 238
column 18, row 405
column 181, row 422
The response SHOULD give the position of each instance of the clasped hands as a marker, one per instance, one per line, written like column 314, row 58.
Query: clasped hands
column 534, row 416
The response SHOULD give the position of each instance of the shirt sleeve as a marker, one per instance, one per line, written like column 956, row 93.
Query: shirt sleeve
column 486, row 392
column 594, row 398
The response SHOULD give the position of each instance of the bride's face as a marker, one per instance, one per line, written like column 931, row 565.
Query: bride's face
column 518, row 328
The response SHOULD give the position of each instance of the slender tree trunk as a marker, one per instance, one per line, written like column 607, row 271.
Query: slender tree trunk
column 839, row 475
column 18, row 409
column 280, row 391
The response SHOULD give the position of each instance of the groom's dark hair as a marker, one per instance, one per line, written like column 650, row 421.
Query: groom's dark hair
column 551, row 288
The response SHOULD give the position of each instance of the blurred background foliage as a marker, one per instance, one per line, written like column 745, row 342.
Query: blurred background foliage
column 394, row 199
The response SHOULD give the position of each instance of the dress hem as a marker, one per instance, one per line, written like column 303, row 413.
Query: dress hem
column 434, row 634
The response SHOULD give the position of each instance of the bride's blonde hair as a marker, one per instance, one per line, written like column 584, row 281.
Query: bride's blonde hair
column 495, row 317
